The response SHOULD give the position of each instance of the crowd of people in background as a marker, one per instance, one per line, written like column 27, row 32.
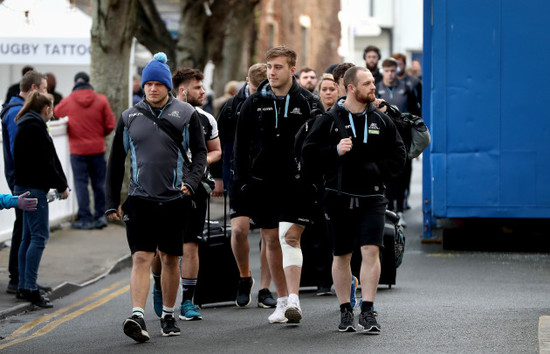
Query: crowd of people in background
column 334, row 186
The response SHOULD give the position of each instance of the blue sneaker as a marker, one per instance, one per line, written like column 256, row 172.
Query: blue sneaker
column 352, row 299
column 157, row 301
column 188, row 311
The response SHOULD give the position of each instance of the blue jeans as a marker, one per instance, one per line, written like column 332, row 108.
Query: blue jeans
column 36, row 232
column 89, row 167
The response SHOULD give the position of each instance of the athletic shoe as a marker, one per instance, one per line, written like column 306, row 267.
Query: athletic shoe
column 265, row 299
column 279, row 315
column 134, row 327
column 168, row 326
column 353, row 294
column 373, row 308
column 293, row 312
column 83, row 225
column 100, row 222
column 157, row 301
column 189, row 312
column 243, row 291
column 323, row 291
column 368, row 323
column 346, row 321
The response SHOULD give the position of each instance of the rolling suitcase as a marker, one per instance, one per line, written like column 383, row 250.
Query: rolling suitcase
column 218, row 273
column 392, row 254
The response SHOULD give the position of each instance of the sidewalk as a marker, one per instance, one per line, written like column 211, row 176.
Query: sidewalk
column 76, row 258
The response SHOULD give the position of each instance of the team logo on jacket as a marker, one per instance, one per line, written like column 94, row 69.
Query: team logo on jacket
column 264, row 109
column 131, row 115
column 296, row 110
column 374, row 129
column 175, row 114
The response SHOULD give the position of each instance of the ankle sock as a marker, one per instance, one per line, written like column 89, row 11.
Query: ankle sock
column 367, row 306
column 138, row 311
column 167, row 311
column 346, row 307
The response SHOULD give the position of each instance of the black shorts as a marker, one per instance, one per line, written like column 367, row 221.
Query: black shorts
column 239, row 201
column 273, row 202
column 197, row 216
column 152, row 224
column 354, row 220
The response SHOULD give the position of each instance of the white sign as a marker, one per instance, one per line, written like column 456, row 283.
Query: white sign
column 71, row 51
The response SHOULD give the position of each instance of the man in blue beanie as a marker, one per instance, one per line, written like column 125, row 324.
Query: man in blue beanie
column 162, row 180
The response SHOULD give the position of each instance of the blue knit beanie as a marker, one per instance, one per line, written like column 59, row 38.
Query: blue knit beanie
column 157, row 70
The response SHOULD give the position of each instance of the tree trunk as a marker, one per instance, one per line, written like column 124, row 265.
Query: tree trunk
column 112, row 33
column 232, row 64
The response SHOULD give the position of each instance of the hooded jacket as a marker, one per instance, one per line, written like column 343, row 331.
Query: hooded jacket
column 36, row 162
column 158, row 167
column 9, row 130
column 266, row 129
column 373, row 159
column 90, row 119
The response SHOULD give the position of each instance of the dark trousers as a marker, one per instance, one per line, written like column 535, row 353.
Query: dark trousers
column 89, row 168
column 15, row 244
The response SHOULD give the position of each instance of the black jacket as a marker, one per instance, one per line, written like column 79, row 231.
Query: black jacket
column 364, row 169
column 36, row 161
column 266, row 128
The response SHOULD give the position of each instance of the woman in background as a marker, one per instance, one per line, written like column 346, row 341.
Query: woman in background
column 328, row 91
column 37, row 169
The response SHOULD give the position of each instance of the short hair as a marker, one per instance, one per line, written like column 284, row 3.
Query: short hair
column 31, row 78
column 371, row 48
column 231, row 87
column 184, row 75
column 400, row 56
column 389, row 62
column 325, row 77
column 282, row 51
column 26, row 69
column 350, row 77
column 306, row 70
column 257, row 73
column 340, row 70
column 35, row 101
column 330, row 68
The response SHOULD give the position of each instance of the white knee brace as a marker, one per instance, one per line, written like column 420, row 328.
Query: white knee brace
column 292, row 256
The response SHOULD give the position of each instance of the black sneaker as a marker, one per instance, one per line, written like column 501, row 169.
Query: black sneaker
column 12, row 288
column 367, row 321
column 134, row 327
column 243, row 291
column 168, row 326
column 346, row 321
column 266, row 300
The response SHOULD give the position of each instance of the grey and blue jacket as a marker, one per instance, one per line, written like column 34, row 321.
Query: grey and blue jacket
column 158, row 167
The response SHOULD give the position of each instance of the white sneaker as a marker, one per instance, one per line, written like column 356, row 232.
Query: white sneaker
column 293, row 312
column 279, row 315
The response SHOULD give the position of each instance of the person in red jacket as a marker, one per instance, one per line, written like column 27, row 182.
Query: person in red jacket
column 90, row 120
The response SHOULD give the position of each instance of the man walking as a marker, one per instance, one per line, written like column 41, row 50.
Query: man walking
column 161, row 184
column 356, row 148
column 266, row 170
column 90, row 120
column 240, row 220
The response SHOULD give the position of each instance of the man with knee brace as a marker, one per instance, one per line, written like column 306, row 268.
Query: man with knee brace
column 357, row 149
column 267, row 173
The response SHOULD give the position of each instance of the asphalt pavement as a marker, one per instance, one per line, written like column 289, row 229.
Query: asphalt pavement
column 74, row 259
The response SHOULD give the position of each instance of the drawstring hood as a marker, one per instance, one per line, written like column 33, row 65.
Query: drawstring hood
column 267, row 92
column 352, row 124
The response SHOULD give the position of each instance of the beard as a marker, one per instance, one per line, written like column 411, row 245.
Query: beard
column 365, row 98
